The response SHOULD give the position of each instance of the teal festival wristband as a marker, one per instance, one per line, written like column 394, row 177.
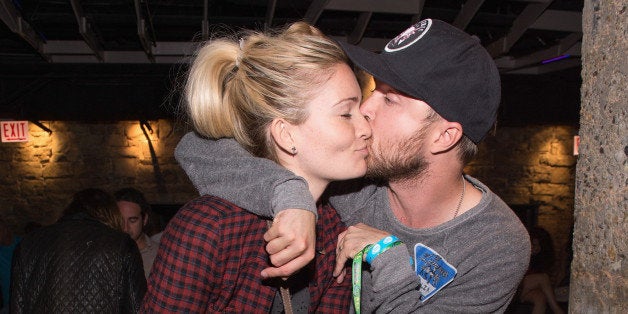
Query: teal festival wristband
column 381, row 246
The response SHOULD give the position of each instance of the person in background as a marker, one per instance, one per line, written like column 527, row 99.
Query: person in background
column 83, row 263
column 291, row 99
column 452, row 245
column 8, row 242
column 135, row 211
column 156, row 237
column 536, row 287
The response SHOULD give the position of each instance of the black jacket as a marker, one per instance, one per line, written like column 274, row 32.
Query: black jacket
column 77, row 265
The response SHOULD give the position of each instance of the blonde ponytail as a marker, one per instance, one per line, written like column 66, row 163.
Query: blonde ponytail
column 236, row 87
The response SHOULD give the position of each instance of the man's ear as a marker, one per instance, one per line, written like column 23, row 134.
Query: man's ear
column 280, row 130
column 145, row 220
column 449, row 135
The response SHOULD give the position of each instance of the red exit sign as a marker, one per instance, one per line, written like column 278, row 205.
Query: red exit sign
column 14, row 131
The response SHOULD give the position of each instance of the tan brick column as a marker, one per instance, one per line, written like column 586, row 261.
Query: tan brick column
column 599, row 270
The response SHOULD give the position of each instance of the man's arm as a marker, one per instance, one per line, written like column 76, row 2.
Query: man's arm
column 223, row 168
column 485, row 283
column 483, row 290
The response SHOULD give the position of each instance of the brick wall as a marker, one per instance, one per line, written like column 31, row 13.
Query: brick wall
column 534, row 165
column 39, row 177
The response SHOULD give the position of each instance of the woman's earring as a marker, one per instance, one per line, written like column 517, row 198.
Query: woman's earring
column 294, row 150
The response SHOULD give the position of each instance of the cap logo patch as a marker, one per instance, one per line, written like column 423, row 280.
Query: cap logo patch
column 409, row 36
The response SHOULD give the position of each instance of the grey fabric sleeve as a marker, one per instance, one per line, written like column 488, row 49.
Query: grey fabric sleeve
column 350, row 198
column 395, row 284
column 223, row 168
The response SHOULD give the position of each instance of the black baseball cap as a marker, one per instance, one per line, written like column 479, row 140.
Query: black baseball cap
column 443, row 66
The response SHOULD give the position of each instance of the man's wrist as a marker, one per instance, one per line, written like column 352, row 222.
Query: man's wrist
column 293, row 194
column 383, row 245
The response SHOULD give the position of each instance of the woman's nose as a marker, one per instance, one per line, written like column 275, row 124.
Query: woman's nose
column 367, row 108
column 364, row 128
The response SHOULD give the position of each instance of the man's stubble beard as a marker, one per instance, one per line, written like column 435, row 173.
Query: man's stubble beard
column 398, row 161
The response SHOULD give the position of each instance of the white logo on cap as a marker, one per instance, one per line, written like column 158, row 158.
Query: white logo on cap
column 409, row 36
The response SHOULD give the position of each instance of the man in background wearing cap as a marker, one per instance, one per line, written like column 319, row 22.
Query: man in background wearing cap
column 443, row 242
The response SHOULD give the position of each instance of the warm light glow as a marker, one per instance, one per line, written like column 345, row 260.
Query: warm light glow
column 367, row 83
column 141, row 141
column 30, row 156
column 38, row 136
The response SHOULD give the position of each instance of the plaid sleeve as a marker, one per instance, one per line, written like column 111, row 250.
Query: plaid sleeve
column 185, row 268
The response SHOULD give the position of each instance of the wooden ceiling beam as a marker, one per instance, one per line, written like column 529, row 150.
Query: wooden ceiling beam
column 566, row 44
column 468, row 11
column 141, row 32
column 526, row 19
column 16, row 23
column 86, row 31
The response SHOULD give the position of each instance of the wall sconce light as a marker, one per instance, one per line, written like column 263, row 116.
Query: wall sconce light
column 41, row 126
column 145, row 124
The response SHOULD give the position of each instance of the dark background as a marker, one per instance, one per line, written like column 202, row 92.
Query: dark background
column 49, row 72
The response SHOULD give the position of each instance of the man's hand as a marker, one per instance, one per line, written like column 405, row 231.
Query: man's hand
column 352, row 241
column 291, row 242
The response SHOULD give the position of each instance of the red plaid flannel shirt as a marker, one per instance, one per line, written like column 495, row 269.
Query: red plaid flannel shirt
column 211, row 255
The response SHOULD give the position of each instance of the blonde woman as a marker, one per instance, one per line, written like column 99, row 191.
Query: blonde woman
column 291, row 98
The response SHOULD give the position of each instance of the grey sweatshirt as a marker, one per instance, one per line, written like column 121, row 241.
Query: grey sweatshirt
column 471, row 264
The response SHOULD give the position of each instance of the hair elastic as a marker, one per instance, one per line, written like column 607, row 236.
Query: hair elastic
column 239, row 56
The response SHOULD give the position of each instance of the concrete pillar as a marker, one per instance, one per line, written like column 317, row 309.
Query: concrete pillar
column 599, row 272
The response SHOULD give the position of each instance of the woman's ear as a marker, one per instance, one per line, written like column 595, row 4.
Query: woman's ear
column 280, row 130
column 450, row 134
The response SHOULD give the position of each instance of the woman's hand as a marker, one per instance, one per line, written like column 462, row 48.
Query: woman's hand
column 352, row 241
column 291, row 242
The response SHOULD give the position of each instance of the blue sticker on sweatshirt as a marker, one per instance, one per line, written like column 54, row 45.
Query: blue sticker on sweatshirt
column 432, row 269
